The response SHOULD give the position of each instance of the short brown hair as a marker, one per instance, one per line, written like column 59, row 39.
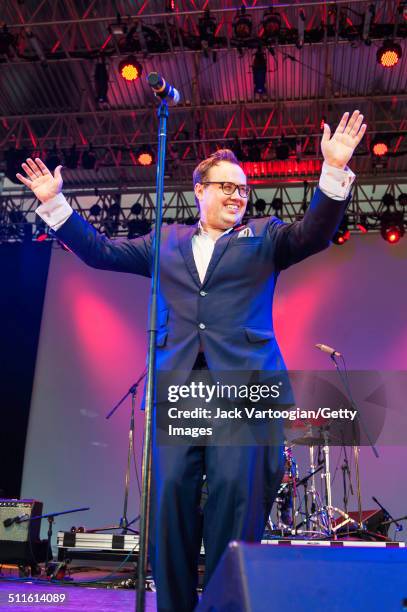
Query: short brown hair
column 202, row 169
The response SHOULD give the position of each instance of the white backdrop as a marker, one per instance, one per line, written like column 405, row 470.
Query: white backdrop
column 92, row 348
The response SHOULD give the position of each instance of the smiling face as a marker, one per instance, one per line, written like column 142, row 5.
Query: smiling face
column 219, row 212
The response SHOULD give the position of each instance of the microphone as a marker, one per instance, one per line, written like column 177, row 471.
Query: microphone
column 162, row 89
column 16, row 519
column 328, row 349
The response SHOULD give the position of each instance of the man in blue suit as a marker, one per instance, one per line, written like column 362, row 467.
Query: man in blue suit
column 217, row 282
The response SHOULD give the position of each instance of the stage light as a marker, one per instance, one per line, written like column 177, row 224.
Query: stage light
column 118, row 28
column 7, row 40
column 130, row 69
column 277, row 205
column 242, row 25
column 136, row 209
column 207, row 27
column 95, row 210
column 260, row 206
column 253, row 151
column 379, row 146
column 282, row 151
column 343, row 233
column 71, row 158
column 402, row 199
column 392, row 226
column 14, row 158
column 88, row 159
column 170, row 6
column 41, row 231
column 389, row 54
column 271, row 25
column 362, row 224
column 145, row 156
column 259, row 71
column 52, row 159
column 101, row 82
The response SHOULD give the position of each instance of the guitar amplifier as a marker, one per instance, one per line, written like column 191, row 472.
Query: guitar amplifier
column 19, row 537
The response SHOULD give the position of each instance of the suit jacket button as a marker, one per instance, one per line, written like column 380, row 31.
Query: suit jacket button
column 203, row 293
column 202, row 326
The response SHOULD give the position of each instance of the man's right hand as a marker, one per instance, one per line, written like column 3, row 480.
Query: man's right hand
column 40, row 179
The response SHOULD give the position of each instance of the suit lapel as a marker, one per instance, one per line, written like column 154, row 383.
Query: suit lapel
column 185, row 234
column 220, row 247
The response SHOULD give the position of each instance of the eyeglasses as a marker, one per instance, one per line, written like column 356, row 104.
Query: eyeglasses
column 230, row 188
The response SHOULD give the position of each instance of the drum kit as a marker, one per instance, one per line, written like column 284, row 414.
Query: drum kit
column 304, row 511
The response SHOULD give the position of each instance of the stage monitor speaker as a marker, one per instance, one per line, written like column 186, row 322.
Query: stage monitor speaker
column 18, row 537
column 307, row 578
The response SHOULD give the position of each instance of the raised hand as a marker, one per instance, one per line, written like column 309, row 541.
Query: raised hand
column 40, row 180
column 338, row 150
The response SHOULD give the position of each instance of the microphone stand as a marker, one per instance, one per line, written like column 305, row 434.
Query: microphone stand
column 151, row 367
column 124, row 523
column 50, row 518
column 388, row 517
column 356, row 450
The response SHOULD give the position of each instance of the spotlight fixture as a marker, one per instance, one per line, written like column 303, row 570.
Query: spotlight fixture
column 282, row 151
column 118, row 28
column 88, row 159
column 242, row 25
column 343, row 233
column 130, row 69
column 71, row 158
column 170, row 6
column 52, row 159
column 136, row 209
column 7, row 40
column 389, row 54
column 95, row 210
column 271, row 25
column 260, row 206
column 259, row 71
column 207, row 27
column 236, row 147
column 101, row 81
column 392, row 226
column 145, row 156
column 14, row 158
column 277, row 205
column 253, row 151
column 379, row 146
column 402, row 199
column 363, row 224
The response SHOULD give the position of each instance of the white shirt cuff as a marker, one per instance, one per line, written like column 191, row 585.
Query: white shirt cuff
column 55, row 211
column 336, row 183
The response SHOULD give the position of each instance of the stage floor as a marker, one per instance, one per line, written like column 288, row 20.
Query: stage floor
column 91, row 599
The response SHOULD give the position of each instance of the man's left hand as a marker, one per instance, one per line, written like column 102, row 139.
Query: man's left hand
column 338, row 150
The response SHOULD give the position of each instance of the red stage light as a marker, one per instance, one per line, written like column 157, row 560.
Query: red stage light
column 389, row 54
column 145, row 157
column 130, row 69
column 41, row 237
column 392, row 235
column 380, row 148
column 341, row 237
column 362, row 228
